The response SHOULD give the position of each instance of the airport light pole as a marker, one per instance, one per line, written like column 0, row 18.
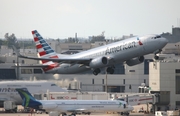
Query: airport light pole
column 106, row 79
column 106, row 69
column 17, row 73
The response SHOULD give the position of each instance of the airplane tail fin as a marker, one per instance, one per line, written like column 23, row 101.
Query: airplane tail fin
column 44, row 50
column 28, row 99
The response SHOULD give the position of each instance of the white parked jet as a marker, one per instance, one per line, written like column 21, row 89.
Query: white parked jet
column 8, row 92
column 130, row 50
column 73, row 106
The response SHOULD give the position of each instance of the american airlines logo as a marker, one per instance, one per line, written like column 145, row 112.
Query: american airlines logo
column 125, row 46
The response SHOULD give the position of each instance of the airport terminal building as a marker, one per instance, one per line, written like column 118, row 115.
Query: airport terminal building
column 162, row 76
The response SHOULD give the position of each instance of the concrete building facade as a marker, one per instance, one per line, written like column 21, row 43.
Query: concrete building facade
column 164, row 79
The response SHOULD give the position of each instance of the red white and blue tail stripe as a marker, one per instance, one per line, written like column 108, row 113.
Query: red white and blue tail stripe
column 44, row 50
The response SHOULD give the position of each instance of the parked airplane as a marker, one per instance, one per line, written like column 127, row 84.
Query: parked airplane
column 73, row 106
column 8, row 92
column 130, row 50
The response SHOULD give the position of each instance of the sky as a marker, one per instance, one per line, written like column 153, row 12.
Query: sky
column 63, row 18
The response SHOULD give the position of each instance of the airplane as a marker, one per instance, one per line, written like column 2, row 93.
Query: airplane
column 8, row 92
column 130, row 51
column 73, row 106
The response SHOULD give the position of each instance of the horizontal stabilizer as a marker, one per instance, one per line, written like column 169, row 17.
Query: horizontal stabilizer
column 33, row 66
column 61, row 60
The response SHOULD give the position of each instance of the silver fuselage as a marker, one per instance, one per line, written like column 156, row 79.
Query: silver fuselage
column 118, row 52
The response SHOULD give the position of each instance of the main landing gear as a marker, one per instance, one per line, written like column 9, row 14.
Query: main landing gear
column 96, row 71
column 156, row 57
column 109, row 70
column 64, row 114
column 124, row 113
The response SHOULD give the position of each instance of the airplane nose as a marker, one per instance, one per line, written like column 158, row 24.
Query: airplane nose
column 165, row 40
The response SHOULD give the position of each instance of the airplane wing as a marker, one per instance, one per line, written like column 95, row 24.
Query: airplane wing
column 33, row 66
column 61, row 60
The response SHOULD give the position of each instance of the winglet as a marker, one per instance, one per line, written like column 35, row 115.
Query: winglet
column 28, row 99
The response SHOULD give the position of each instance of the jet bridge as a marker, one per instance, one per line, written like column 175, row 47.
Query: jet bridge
column 138, row 99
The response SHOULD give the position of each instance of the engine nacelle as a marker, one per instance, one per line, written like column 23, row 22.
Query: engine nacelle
column 99, row 62
column 135, row 61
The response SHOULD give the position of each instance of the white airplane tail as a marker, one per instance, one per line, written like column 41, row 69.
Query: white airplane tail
column 44, row 51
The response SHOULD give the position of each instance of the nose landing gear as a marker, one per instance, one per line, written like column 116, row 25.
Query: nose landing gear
column 156, row 57
column 155, row 54
column 109, row 70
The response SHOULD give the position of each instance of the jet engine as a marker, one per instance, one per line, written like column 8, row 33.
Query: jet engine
column 98, row 62
column 135, row 61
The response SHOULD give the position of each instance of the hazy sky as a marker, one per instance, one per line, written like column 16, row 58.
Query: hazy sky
column 64, row 18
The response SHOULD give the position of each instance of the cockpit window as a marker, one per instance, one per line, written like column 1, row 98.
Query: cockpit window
column 156, row 37
column 53, row 85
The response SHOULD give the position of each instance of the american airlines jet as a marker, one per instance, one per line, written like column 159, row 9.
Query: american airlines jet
column 73, row 106
column 131, row 51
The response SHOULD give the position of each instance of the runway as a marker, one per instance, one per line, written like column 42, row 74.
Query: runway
column 28, row 114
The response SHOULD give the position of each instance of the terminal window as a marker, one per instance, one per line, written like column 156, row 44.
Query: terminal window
column 115, row 89
column 146, row 65
column 38, row 71
column 119, row 69
column 177, row 85
column 7, row 74
column 26, row 71
column 177, row 70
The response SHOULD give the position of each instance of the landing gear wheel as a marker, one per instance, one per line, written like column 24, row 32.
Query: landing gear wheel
column 63, row 114
column 110, row 70
column 156, row 57
column 73, row 114
column 96, row 71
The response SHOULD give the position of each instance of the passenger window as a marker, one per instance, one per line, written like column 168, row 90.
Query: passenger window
column 53, row 85
column 158, row 37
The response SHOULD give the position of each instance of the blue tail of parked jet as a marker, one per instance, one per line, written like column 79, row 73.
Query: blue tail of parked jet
column 28, row 99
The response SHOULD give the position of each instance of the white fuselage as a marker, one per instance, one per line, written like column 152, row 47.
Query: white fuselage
column 86, row 106
column 118, row 52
